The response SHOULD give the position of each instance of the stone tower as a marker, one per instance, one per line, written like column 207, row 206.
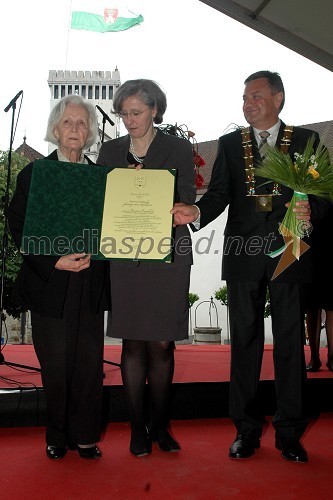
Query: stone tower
column 97, row 86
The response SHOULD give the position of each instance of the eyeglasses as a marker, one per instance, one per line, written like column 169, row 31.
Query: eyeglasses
column 124, row 115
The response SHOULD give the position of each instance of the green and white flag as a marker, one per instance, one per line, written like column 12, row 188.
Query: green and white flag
column 103, row 16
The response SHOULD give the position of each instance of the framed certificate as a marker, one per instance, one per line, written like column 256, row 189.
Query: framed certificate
column 137, row 223
column 110, row 213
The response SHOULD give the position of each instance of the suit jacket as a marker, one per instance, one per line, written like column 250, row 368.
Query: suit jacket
column 39, row 286
column 250, row 235
column 165, row 152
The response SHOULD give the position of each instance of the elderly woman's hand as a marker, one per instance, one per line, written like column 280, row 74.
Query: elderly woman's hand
column 74, row 262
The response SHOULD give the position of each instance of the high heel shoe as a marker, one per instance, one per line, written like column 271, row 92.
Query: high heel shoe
column 140, row 444
column 314, row 365
column 91, row 452
column 329, row 364
column 165, row 441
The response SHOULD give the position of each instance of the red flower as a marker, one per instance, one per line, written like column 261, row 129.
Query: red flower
column 198, row 160
column 199, row 181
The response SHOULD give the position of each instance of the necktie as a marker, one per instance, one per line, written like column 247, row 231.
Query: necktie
column 263, row 143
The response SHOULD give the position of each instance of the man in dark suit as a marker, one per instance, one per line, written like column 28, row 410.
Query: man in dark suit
column 251, row 233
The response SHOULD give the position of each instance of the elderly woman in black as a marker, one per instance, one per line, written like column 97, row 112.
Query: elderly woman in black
column 157, row 314
column 67, row 297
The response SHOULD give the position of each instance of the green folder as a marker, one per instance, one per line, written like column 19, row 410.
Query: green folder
column 66, row 210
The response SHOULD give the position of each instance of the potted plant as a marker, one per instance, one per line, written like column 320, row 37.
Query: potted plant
column 192, row 297
column 222, row 295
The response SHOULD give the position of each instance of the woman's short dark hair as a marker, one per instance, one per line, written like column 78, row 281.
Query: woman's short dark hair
column 274, row 80
column 57, row 112
column 146, row 90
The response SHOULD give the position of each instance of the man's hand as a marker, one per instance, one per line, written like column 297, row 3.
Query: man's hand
column 184, row 214
column 302, row 210
column 74, row 262
column 137, row 167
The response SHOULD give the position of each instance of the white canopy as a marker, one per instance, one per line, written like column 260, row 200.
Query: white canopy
column 304, row 26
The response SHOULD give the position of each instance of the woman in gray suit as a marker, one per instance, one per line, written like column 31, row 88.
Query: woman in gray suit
column 157, row 313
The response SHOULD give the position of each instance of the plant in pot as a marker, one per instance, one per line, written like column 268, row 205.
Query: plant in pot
column 192, row 297
column 222, row 295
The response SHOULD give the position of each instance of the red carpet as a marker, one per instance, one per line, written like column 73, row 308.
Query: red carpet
column 194, row 363
column 201, row 471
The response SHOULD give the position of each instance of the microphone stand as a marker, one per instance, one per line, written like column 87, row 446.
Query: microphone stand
column 105, row 117
column 5, row 200
column 103, row 128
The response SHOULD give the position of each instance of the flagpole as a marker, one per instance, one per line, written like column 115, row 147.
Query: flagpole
column 68, row 31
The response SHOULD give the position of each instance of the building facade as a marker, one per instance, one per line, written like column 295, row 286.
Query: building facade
column 98, row 87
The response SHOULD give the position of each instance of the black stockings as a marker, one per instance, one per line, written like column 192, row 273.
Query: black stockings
column 314, row 330
column 152, row 361
column 313, row 323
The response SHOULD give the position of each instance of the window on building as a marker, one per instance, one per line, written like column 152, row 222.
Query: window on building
column 56, row 92
column 70, row 89
column 103, row 91
column 83, row 91
column 77, row 90
column 110, row 91
column 90, row 92
column 63, row 90
column 96, row 92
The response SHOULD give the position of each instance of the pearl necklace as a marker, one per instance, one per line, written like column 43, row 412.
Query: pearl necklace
column 132, row 150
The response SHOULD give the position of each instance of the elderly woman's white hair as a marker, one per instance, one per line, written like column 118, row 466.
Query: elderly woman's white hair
column 57, row 112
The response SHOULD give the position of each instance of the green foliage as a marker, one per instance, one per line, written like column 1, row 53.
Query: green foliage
column 13, row 257
column 267, row 311
column 222, row 295
column 192, row 297
column 309, row 172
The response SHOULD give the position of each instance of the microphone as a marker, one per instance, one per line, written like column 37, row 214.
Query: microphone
column 13, row 101
column 104, row 114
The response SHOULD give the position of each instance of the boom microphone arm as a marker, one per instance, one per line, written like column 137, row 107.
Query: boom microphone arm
column 13, row 101
column 105, row 115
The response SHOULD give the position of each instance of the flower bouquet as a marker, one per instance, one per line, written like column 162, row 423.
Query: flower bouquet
column 311, row 172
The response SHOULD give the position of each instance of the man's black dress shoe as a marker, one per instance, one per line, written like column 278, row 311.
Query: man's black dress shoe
column 140, row 444
column 55, row 452
column 291, row 448
column 314, row 365
column 165, row 441
column 91, row 452
column 244, row 446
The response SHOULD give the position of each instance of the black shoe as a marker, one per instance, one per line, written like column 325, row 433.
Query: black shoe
column 55, row 452
column 314, row 365
column 91, row 452
column 291, row 448
column 165, row 441
column 140, row 444
column 244, row 446
column 329, row 364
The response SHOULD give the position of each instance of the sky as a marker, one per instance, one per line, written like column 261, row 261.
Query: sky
column 199, row 57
